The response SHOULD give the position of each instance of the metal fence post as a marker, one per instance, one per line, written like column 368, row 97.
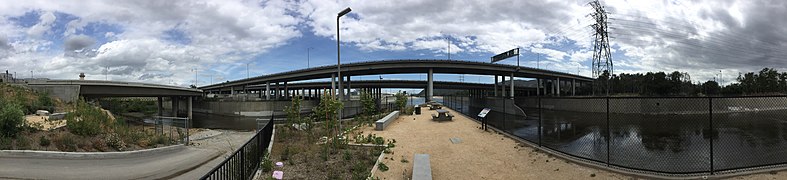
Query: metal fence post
column 609, row 133
column 710, row 130
column 539, row 122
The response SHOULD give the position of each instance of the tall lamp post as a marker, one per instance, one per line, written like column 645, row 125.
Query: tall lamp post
column 339, row 60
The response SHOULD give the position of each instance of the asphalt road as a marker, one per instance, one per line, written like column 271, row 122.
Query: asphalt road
column 163, row 165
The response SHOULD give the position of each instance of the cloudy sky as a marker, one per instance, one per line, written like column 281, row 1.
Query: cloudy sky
column 167, row 41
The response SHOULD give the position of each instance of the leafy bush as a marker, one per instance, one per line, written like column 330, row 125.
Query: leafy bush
column 401, row 101
column 114, row 141
column 369, row 106
column 44, row 142
column 5, row 143
column 12, row 119
column 86, row 120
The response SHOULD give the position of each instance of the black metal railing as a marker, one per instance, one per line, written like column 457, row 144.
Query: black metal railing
column 661, row 135
column 245, row 161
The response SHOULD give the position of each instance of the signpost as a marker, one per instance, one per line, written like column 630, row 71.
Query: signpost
column 507, row 54
column 482, row 115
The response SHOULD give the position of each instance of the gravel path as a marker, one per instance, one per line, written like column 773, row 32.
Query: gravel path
column 479, row 155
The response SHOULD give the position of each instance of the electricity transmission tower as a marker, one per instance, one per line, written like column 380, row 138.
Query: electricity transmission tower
column 602, row 59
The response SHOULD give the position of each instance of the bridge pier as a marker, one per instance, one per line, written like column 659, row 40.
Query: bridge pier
column 558, row 87
column 503, row 86
column 573, row 87
column 512, row 85
column 333, row 84
column 160, row 106
column 430, row 85
column 495, row 86
column 348, row 88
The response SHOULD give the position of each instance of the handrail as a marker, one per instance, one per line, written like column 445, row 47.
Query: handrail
column 239, row 165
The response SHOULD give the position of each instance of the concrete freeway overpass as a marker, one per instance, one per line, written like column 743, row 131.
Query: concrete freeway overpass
column 71, row 90
column 552, row 78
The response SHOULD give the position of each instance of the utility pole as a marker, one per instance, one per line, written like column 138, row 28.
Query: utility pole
column 448, row 39
column 602, row 58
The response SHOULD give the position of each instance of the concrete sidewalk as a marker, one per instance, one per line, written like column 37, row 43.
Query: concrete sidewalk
column 163, row 165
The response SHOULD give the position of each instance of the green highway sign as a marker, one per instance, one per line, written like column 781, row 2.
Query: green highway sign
column 504, row 55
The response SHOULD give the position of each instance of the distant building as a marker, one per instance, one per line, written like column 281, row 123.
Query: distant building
column 6, row 77
column 82, row 76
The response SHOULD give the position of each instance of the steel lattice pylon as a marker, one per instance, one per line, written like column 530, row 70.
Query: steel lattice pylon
column 602, row 58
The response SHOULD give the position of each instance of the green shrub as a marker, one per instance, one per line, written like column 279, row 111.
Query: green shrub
column 286, row 154
column 22, row 143
column 86, row 120
column 382, row 167
column 12, row 119
column 44, row 142
column 113, row 140
column 5, row 143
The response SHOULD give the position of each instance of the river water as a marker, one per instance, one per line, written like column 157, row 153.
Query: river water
column 673, row 143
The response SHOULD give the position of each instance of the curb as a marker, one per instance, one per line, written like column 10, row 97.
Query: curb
column 206, row 137
column 88, row 155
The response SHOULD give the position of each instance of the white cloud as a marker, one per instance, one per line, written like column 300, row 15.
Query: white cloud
column 44, row 24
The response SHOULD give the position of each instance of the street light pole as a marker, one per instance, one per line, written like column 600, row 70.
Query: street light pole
column 339, row 60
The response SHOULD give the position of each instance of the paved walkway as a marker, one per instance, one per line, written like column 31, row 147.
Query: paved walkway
column 163, row 165
column 473, row 154
column 188, row 163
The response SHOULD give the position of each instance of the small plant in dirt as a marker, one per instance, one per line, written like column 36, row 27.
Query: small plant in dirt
column 44, row 142
column 360, row 171
column 66, row 142
column 347, row 155
column 294, row 112
column 401, row 102
column 369, row 106
column 382, row 167
column 266, row 164
column 286, row 154
column 22, row 142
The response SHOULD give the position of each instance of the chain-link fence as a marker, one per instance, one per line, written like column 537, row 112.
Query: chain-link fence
column 175, row 129
column 668, row 135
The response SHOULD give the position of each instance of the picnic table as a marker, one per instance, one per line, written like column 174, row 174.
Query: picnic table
column 442, row 115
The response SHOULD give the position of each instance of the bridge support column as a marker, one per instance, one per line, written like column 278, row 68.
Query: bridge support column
column 503, row 86
column 558, row 87
column 286, row 91
column 430, row 85
column 333, row 84
column 573, row 87
column 232, row 90
column 174, row 106
column 276, row 92
column 268, row 91
column 495, row 86
column 160, row 107
column 348, row 88
column 512, row 85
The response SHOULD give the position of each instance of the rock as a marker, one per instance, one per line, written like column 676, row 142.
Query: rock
column 42, row 112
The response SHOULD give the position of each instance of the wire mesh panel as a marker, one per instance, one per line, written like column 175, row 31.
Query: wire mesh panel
column 660, row 134
column 575, row 131
column 750, row 132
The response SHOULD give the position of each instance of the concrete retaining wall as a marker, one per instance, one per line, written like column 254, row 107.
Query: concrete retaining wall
column 67, row 93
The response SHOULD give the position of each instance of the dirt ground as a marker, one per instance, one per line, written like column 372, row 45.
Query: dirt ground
column 46, row 125
column 480, row 155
